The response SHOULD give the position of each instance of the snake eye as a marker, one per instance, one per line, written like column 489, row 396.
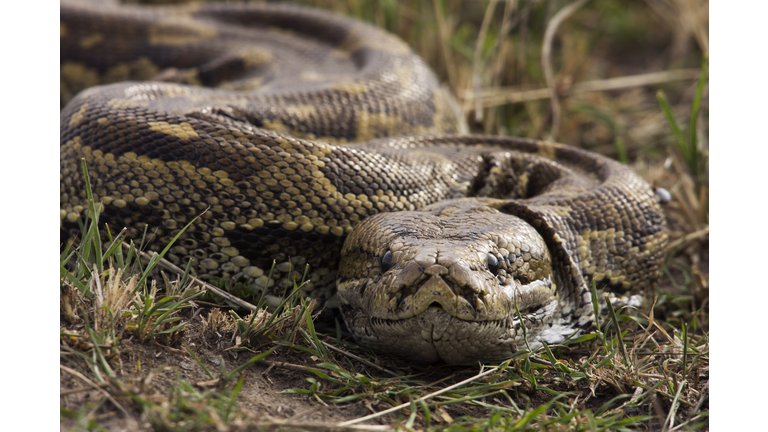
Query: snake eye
column 493, row 264
column 386, row 262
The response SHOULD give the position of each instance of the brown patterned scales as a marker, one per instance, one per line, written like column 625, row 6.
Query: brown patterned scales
column 432, row 239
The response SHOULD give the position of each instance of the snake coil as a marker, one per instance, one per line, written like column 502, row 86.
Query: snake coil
column 319, row 141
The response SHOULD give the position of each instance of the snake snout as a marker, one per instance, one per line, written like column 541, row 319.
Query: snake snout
column 449, row 284
column 436, row 291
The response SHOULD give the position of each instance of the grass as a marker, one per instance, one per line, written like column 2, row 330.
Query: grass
column 140, row 351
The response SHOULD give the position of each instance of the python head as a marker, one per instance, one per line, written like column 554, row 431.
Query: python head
column 442, row 283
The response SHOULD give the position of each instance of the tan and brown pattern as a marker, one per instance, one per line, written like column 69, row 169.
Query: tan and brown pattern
column 432, row 240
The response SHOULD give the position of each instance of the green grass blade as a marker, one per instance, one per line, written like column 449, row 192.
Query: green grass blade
column 245, row 365
column 596, row 311
column 522, row 326
column 311, row 330
column 427, row 413
column 621, row 151
column 685, row 350
column 116, row 242
column 617, row 327
column 412, row 418
column 607, row 359
column 532, row 414
column 678, row 134
column 156, row 258
column 693, row 160
column 233, row 398
column 185, row 276
column 591, row 421
column 94, row 217
column 604, row 407
column 194, row 356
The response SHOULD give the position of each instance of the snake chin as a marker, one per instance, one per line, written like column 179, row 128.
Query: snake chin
column 433, row 335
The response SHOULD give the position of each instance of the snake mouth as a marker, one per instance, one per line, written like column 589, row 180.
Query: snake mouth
column 465, row 302
column 434, row 335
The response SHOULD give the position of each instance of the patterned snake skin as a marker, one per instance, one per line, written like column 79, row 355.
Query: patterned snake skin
column 426, row 242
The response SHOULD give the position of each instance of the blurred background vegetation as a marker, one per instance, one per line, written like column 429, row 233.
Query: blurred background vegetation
column 490, row 54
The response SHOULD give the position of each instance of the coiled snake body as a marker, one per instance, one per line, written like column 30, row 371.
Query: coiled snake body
column 427, row 242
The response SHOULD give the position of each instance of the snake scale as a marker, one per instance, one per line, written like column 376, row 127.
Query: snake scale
column 319, row 141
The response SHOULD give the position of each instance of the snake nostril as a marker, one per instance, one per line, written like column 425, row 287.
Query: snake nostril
column 386, row 262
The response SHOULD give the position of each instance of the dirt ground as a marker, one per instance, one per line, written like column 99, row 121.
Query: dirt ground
column 154, row 369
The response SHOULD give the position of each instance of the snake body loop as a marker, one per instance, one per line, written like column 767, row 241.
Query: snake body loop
column 319, row 141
